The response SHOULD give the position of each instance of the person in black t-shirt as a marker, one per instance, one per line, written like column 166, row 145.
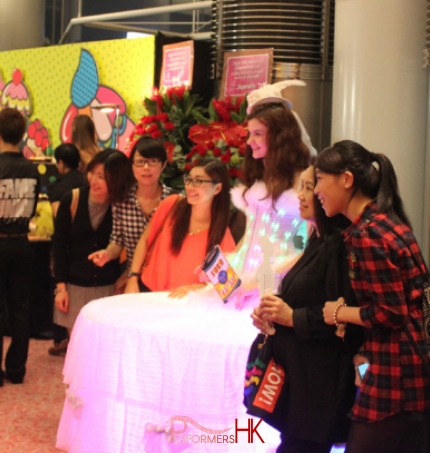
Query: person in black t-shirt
column 19, row 191
column 67, row 157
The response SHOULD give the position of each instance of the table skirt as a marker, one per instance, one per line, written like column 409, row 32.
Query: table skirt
column 144, row 368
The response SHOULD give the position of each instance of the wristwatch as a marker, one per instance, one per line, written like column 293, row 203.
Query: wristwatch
column 133, row 274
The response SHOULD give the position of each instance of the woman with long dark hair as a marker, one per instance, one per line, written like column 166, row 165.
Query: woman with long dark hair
column 386, row 269
column 183, row 230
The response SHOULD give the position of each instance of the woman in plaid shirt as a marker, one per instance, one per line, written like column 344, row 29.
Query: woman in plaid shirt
column 148, row 159
column 388, row 415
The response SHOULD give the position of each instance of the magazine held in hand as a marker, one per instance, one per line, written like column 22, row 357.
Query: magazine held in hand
column 220, row 273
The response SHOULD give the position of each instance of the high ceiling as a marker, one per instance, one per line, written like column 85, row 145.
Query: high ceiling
column 60, row 12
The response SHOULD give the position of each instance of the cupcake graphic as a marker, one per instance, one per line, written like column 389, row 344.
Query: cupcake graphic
column 15, row 94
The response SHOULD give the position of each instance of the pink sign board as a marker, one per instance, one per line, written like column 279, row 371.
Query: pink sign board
column 177, row 68
column 244, row 73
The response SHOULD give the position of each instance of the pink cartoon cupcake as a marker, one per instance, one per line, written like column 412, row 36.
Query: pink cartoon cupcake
column 15, row 94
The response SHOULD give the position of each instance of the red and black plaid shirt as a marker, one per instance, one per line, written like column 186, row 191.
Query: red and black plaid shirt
column 388, row 286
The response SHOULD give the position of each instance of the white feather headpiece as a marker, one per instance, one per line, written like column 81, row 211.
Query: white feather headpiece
column 271, row 93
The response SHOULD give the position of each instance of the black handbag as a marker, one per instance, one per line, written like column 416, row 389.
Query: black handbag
column 265, row 389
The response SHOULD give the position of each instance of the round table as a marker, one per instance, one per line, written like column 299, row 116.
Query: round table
column 147, row 373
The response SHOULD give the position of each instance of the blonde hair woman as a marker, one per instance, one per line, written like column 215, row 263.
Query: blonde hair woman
column 84, row 137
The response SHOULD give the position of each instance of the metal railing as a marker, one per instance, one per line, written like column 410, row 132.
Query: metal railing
column 108, row 20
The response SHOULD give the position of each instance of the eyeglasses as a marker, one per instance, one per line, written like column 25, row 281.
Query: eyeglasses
column 142, row 162
column 197, row 182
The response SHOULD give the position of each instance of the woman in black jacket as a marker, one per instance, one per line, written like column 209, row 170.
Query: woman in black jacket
column 317, row 361
column 83, row 226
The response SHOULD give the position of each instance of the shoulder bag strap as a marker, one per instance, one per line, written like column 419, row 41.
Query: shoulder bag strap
column 153, row 242
column 74, row 203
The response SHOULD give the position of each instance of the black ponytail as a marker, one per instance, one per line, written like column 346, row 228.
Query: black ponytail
column 374, row 175
column 388, row 198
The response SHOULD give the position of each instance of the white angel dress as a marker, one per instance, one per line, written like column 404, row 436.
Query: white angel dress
column 278, row 224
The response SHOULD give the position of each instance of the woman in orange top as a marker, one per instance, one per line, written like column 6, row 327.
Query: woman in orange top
column 184, row 230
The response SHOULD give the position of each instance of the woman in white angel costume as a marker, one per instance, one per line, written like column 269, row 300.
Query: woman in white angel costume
column 278, row 151
column 159, row 375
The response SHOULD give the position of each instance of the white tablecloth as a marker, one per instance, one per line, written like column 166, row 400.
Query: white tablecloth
column 136, row 361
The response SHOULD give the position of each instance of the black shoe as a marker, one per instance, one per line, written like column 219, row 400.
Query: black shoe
column 14, row 379
column 60, row 348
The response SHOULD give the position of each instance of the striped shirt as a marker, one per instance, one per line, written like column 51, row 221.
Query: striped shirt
column 129, row 221
column 388, row 286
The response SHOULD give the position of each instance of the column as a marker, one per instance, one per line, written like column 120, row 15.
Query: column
column 380, row 90
column 22, row 24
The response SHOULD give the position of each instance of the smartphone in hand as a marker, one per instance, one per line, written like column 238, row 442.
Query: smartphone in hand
column 361, row 369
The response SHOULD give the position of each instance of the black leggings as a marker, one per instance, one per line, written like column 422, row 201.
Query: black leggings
column 400, row 433
column 291, row 445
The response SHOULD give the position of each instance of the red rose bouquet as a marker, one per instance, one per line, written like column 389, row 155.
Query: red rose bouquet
column 222, row 135
column 170, row 116
column 190, row 131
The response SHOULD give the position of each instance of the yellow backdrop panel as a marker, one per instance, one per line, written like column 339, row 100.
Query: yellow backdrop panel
column 123, row 67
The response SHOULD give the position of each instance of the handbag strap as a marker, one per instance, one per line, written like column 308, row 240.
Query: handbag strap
column 157, row 234
column 74, row 203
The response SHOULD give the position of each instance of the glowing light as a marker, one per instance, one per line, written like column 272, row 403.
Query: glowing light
column 236, row 260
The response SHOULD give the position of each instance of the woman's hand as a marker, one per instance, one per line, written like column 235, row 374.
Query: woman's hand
column 257, row 319
column 329, row 310
column 201, row 274
column 100, row 258
column 182, row 291
column 274, row 309
column 62, row 300
column 132, row 286
column 247, row 291
column 121, row 283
